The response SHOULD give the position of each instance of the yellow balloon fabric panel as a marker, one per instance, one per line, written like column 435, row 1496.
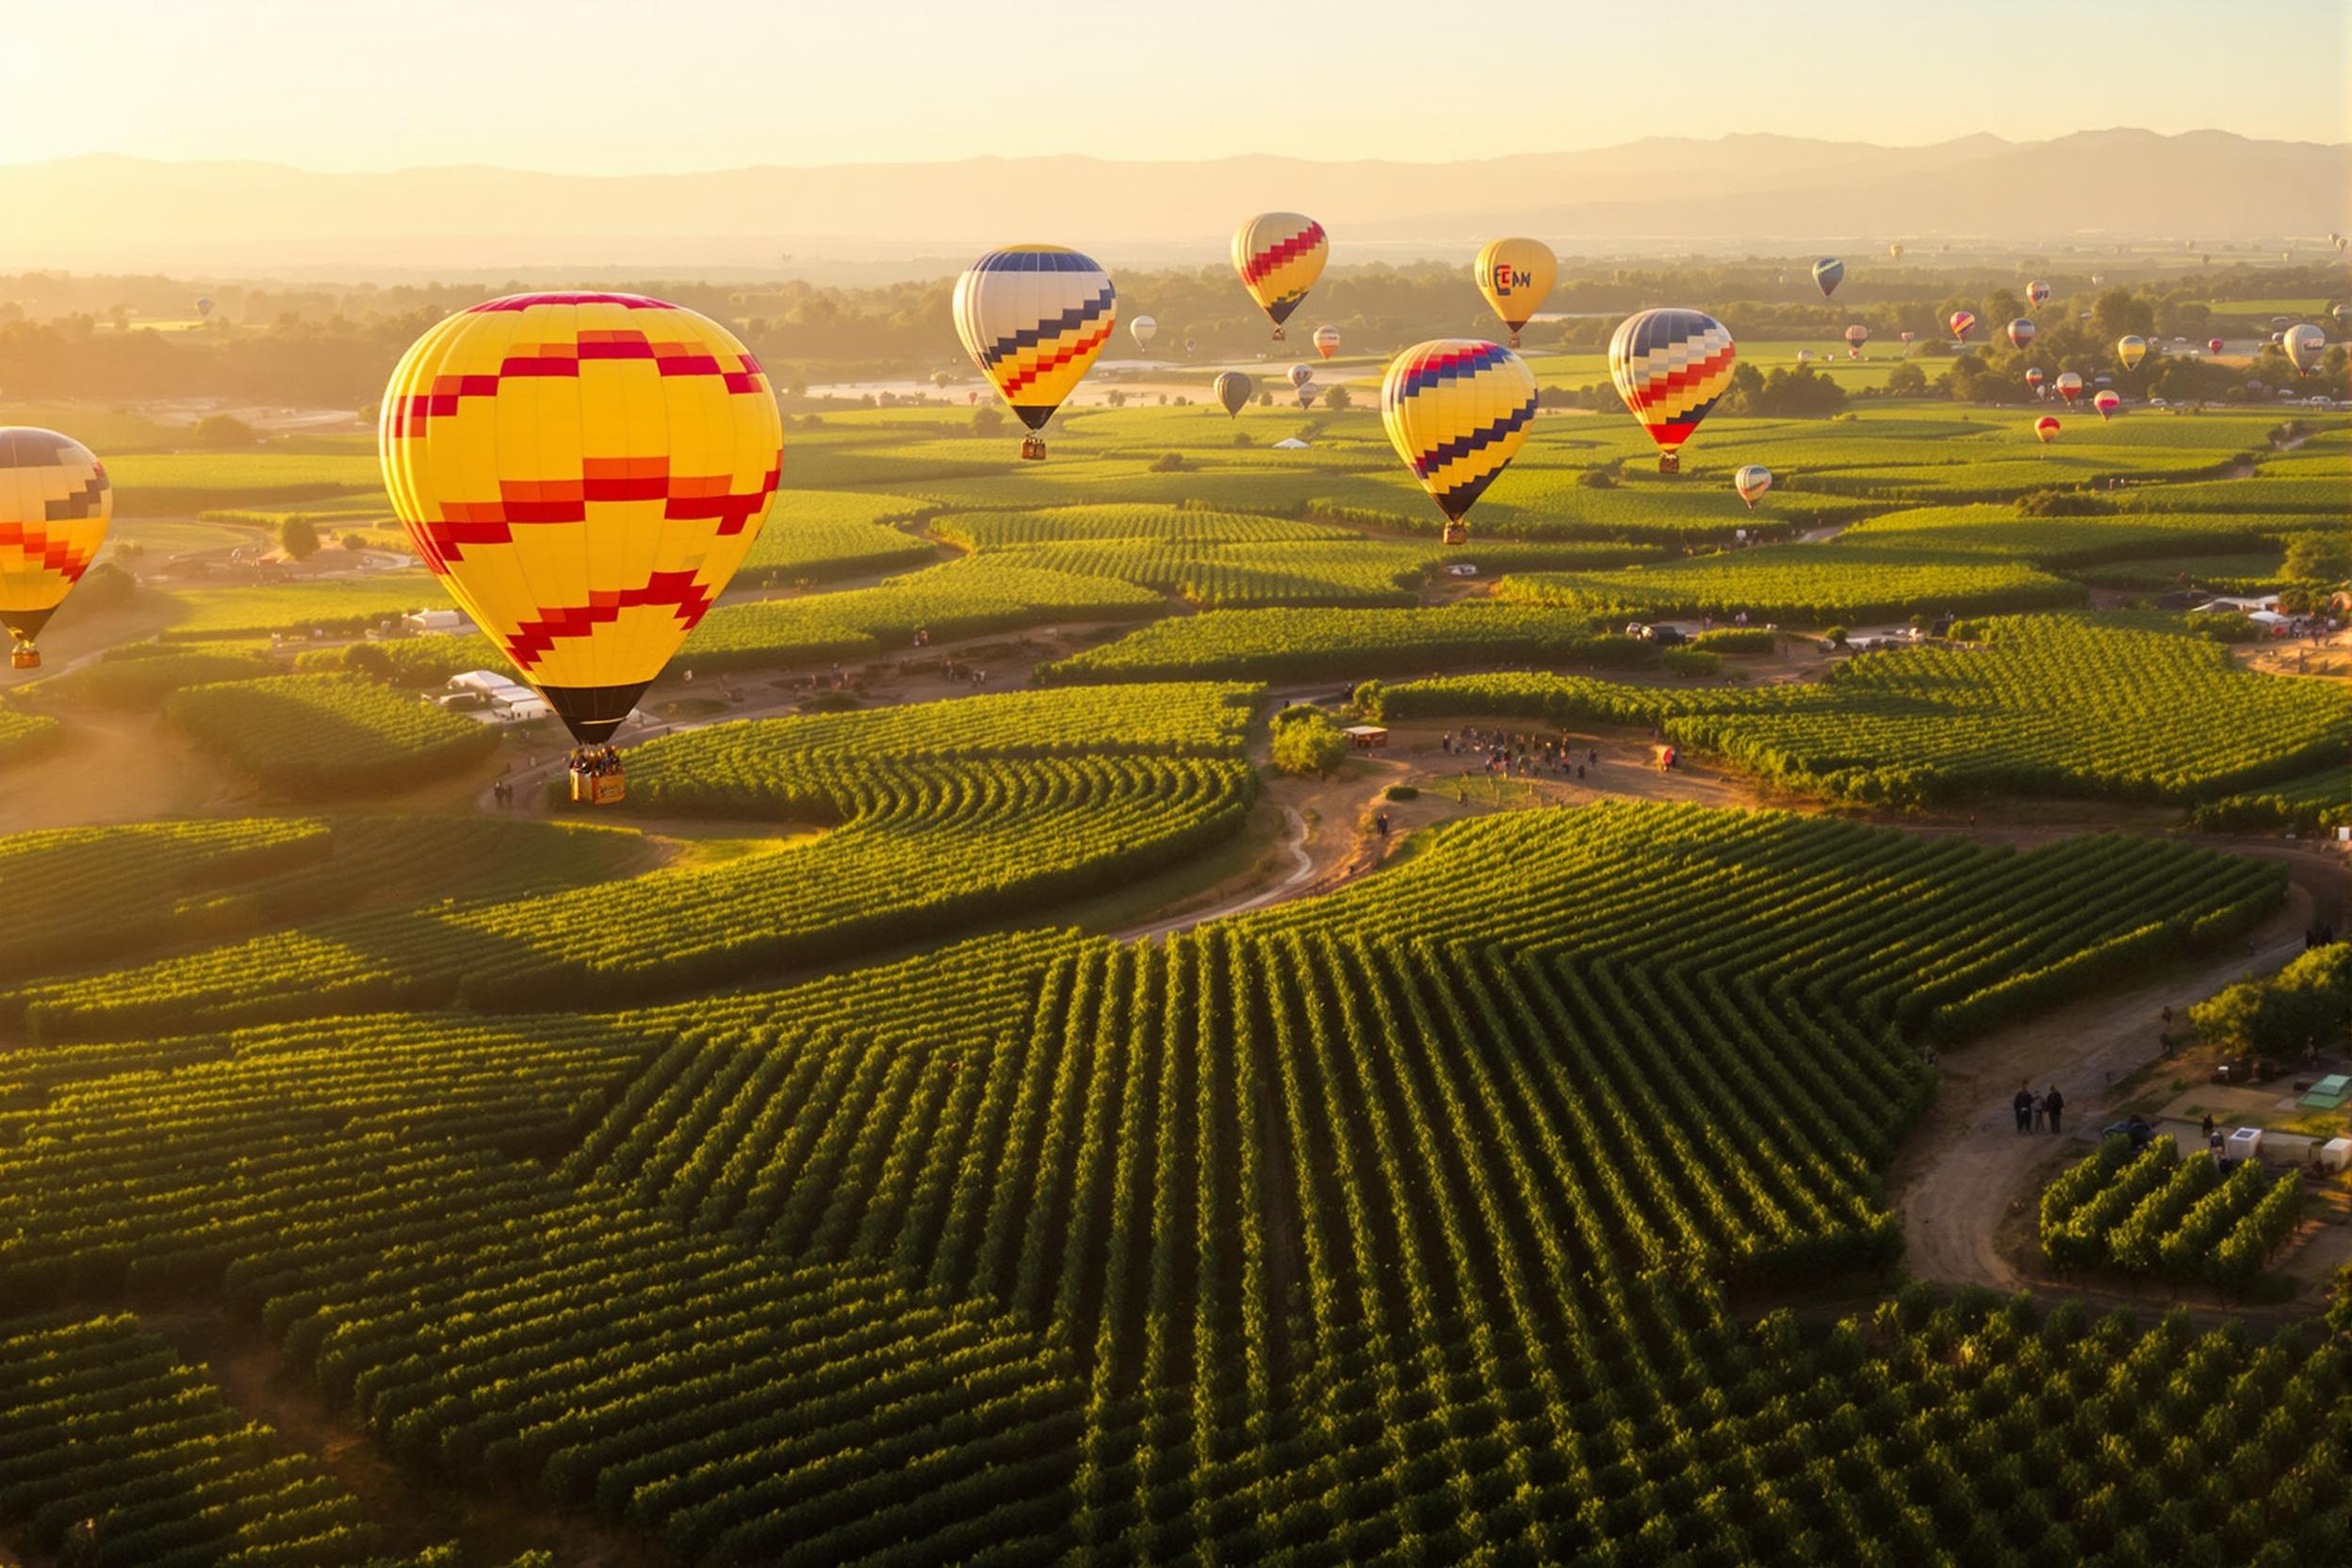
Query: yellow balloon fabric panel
column 1279, row 255
column 1516, row 276
column 1034, row 319
column 585, row 472
column 1458, row 411
column 55, row 505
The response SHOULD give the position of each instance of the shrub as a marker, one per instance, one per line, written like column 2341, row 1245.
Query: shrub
column 1312, row 744
column 1693, row 662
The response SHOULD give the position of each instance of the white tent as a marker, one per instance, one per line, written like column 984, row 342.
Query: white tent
column 1290, row 443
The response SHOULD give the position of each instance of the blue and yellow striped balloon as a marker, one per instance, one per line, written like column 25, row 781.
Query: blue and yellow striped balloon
column 1671, row 367
column 1458, row 409
column 1034, row 317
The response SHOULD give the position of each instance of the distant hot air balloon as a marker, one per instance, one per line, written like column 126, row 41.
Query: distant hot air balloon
column 1301, row 374
column 2256, row 388
column 1327, row 341
column 1143, row 330
column 1235, row 390
column 2213, row 345
column 584, row 472
column 2106, row 402
column 2104, row 380
column 1307, row 394
column 1671, row 367
column 1894, row 252
column 2069, row 385
column 1279, row 255
column 2344, row 318
column 1828, row 273
column 2278, row 339
column 2036, row 291
column 1458, row 411
column 2132, row 349
column 1962, row 321
column 2046, row 428
column 1804, row 357
column 203, row 306
column 55, row 504
column 2020, row 332
column 1906, row 339
column 2280, row 324
column 2033, row 378
column 1515, row 275
column 941, row 378
column 2305, row 344
column 1752, row 482
column 1190, row 344
column 1856, row 336
column 1034, row 317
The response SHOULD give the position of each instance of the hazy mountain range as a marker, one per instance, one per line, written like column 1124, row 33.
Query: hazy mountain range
column 120, row 214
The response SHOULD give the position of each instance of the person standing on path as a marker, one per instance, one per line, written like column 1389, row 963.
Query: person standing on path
column 2038, row 1113
column 2053, row 1102
column 2024, row 1106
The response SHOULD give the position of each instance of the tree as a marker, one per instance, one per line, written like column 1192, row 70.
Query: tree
column 369, row 660
column 298, row 537
column 224, row 430
column 1338, row 399
column 986, row 421
column 354, row 542
column 2319, row 558
column 1308, row 744
column 1906, row 381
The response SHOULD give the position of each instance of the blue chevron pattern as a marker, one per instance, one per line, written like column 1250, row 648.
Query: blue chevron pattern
column 1428, row 463
column 1069, row 320
column 1432, row 373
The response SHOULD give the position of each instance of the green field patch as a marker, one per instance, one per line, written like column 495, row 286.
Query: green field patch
column 308, row 737
column 1272, row 645
column 330, row 605
column 152, row 483
column 828, row 534
column 1798, row 584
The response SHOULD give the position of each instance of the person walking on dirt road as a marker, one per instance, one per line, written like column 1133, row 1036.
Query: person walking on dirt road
column 2053, row 1102
column 2025, row 1104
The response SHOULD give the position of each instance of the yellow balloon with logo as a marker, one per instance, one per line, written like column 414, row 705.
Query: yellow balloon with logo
column 584, row 472
column 1458, row 411
column 1516, row 276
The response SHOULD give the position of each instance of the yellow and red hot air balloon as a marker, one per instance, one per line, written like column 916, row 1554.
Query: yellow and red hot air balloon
column 2033, row 378
column 55, row 504
column 1457, row 410
column 2106, row 402
column 1279, row 255
column 2132, row 349
column 1962, row 321
column 1034, row 317
column 1856, row 336
column 1671, row 367
column 2020, row 332
column 2069, row 385
column 1752, row 482
column 2046, row 428
column 1516, row 276
column 584, row 472
column 1327, row 341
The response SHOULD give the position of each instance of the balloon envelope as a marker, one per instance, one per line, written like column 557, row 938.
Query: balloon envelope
column 584, row 472
column 1327, row 341
column 2034, row 377
column 1515, row 275
column 1752, row 482
column 1234, row 390
column 2020, row 332
column 1828, row 273
column 203, row 306
column 2069, row 385
column 1034, row 317
column 2213, row 345
column 2305, row 344
column 2106, row 402
column 1301, row 374
column 55, row 502
column 1671, row 367
column 2036, row 291
column 1457, row 410
column 1962, row 321
column 1143, row 330
column 1279, row 255
column 2132, row 349
column 2046, row 428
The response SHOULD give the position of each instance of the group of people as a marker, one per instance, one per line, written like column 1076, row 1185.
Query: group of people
column 2038, row 1113
column 1520, row 756
column 2319, row 933
column 503, row 793
column 595, row 761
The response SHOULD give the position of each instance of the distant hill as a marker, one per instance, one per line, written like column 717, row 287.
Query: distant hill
column 117, row 213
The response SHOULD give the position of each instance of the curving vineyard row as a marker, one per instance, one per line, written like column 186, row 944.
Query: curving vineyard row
column 1814, row 585
column 310, row 736
column 24, row 735
column 2154, row 1211
column 1279, row 645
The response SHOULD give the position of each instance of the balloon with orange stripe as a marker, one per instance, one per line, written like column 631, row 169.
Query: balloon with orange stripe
column 584, row 472
column 1279, row 255
column 1457, row 410
column 1672, row 366
column 55, row 505
column 1034, row 317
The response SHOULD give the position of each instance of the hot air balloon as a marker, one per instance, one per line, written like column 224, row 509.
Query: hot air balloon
column 2020, row 332
column 2069, row 385
column 2106, row 402
column 1906, row 339
column 1515, row 275
column 2132, row 349
column 2278, row 339
column 2256, row 388
column 1962, row 322
column 1234, row 390
column 941, row 378
column 2104, row 380
column 1671, row 367
column 2033, row 378
column 55, row 505
column 1301, row 374
column 584, row 472
column 1856, row 336
column 1828, row 273
column 1190, row 344
column 1804, row 357
column 1894, row 252
column 1034, row 317
column 1327, row 341
column 203, row 306
column 2344, row 318
column 2046, row 428
column 1143, row 330
column 1456, row 410
column 2035, row 292
column 2305, row 344
column 1279, row 255
column 1752, row 482
column 1306, row 395
column 2213, row 345
column 2280, row 324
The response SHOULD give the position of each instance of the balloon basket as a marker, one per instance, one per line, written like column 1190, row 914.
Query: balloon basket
column 1278, row 334
column 598, row 789
column 1668, row 463
column 1033, row 449
column 1457, row 534
column 1515, row 340
column 25, row 657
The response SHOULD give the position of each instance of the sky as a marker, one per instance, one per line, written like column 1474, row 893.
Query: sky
column 633, row 87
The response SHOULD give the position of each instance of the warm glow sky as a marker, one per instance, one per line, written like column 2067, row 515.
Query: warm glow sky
column 636, row 86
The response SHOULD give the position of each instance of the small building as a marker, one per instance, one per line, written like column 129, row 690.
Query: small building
column 484, row 681
column 437, row 620
column 1365, row 737
column 2243, row 604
